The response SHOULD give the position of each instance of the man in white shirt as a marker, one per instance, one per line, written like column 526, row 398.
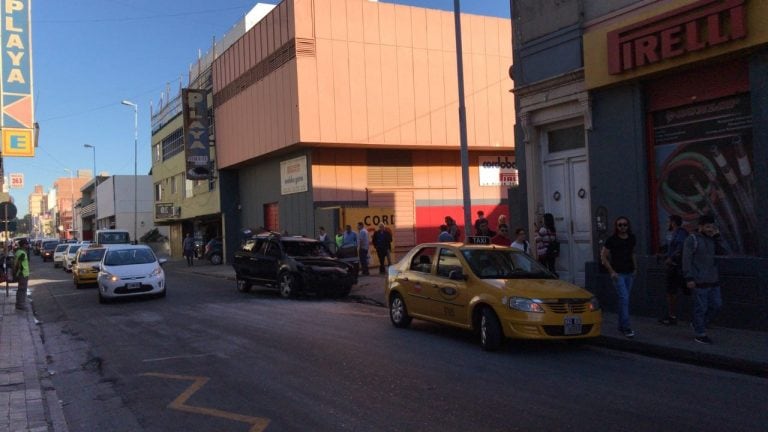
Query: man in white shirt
column 520, row 242
column 362, row 247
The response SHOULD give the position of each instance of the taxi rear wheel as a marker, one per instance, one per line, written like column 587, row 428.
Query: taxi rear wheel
column 398, row 313
column 243, row 285
column 490, row 330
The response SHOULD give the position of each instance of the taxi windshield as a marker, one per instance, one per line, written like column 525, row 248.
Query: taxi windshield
column 91, row 255
column 504, row 264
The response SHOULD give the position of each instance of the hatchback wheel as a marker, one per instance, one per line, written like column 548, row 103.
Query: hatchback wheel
column 398, row 313
column 288, row 284
column 216, row 259
column 490, row 330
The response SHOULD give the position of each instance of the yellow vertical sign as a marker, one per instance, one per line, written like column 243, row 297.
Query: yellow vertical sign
column 17, row 117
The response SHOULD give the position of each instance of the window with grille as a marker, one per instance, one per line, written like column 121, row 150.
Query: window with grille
column 390, row 168
column 173, row 144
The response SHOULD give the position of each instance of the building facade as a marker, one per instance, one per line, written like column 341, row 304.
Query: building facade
column 336, row 112
column 66, row 196
column 180, row 204
column 118, row 205
column 652, row 108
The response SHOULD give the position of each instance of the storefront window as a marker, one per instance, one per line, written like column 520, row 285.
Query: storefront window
column 703, row 165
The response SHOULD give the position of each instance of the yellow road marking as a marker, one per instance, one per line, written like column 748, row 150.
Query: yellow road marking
column 258, row 424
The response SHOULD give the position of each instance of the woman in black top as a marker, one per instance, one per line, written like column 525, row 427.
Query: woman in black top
column 618, row 256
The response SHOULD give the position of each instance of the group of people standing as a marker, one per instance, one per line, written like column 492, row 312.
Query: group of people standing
column 359, row 242
column 545, row 238
column 690, row 268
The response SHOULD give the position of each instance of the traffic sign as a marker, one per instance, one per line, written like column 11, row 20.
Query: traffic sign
column 7, row 211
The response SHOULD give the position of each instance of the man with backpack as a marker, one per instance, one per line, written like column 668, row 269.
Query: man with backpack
column 702, row 275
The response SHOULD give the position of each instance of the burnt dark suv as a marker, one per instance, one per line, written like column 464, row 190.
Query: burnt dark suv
column 292, row 264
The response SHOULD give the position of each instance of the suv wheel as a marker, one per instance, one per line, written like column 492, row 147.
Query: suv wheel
column 490, row 330
column 398, row 313
column 243, row 285
column 288, row 284
column 216, row 259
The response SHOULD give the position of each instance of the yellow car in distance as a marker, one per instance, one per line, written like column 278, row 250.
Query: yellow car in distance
column 499, row 292
column 82, row 268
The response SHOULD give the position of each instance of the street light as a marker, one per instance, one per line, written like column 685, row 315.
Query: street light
column 72, row 200
column 92, row 147
column 135, row 161
column 95, row 184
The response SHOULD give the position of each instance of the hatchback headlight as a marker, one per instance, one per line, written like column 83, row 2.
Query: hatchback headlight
column 525, row 304
column 156, row 272
column 110, row 277
column 594, row 305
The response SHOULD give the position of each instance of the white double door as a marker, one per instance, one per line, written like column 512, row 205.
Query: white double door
column 567, row 197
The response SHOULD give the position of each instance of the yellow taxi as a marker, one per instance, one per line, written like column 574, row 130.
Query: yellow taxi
column 500, row 292
column 83, row 271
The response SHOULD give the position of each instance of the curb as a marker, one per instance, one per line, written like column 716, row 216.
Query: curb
column 714, row 361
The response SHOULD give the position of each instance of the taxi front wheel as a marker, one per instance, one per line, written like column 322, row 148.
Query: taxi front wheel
column 398, row 313
column 490, row 330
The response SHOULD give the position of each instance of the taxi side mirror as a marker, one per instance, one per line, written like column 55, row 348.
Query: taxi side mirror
column 96, row 267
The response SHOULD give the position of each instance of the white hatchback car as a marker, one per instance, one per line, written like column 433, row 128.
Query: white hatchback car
column 130, row 270
column 70, row 255
column 58, row 255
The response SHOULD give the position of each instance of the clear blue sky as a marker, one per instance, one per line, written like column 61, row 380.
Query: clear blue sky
column 88, row 55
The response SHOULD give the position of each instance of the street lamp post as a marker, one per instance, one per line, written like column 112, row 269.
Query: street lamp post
column 95, row 184
column 135, row 162
column 92, row 147
column 72, row 201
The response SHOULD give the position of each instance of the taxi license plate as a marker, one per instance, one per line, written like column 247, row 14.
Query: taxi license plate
column 572, row 325
column 133, row 285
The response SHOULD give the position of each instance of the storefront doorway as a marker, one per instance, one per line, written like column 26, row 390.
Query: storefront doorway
column 566, row 190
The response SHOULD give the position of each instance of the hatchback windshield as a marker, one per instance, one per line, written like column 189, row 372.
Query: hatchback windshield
column 504, row 264
column 73, row 249
column 91, row 255
column 122, row 257
column 50, row 245
column 61, row 247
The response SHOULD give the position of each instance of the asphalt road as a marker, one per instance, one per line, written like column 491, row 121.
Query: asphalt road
column 208, row 358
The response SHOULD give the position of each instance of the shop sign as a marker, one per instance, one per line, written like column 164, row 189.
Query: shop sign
column 196, row 134
column 17, row 180
column 497, row 171
column 675, row 33
column 164, row 211
column 293, row 175
column 16, row 90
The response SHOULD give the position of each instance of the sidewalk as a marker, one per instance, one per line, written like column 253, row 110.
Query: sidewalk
column 734, row 349
column 28, row 401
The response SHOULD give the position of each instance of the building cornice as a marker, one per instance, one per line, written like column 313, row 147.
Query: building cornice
column 549, row 83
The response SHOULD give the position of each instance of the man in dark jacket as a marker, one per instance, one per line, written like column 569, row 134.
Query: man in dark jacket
column 676, row 236
column 702, row 276
column 382, row 241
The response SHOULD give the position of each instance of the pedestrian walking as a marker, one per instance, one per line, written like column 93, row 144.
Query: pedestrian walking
column 188, row 245
column 618, row 256
column 520, row 242
column 444, row 235
column 547, row 246
column 363, row 244
column 673, row 269
column 21, row 273
column 382, row 242
column 453, row 229
column 702, row 275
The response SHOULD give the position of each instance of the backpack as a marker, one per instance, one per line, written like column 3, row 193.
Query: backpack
column 553, row 248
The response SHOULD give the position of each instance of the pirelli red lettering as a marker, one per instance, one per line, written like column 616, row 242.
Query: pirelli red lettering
column 690, row 28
